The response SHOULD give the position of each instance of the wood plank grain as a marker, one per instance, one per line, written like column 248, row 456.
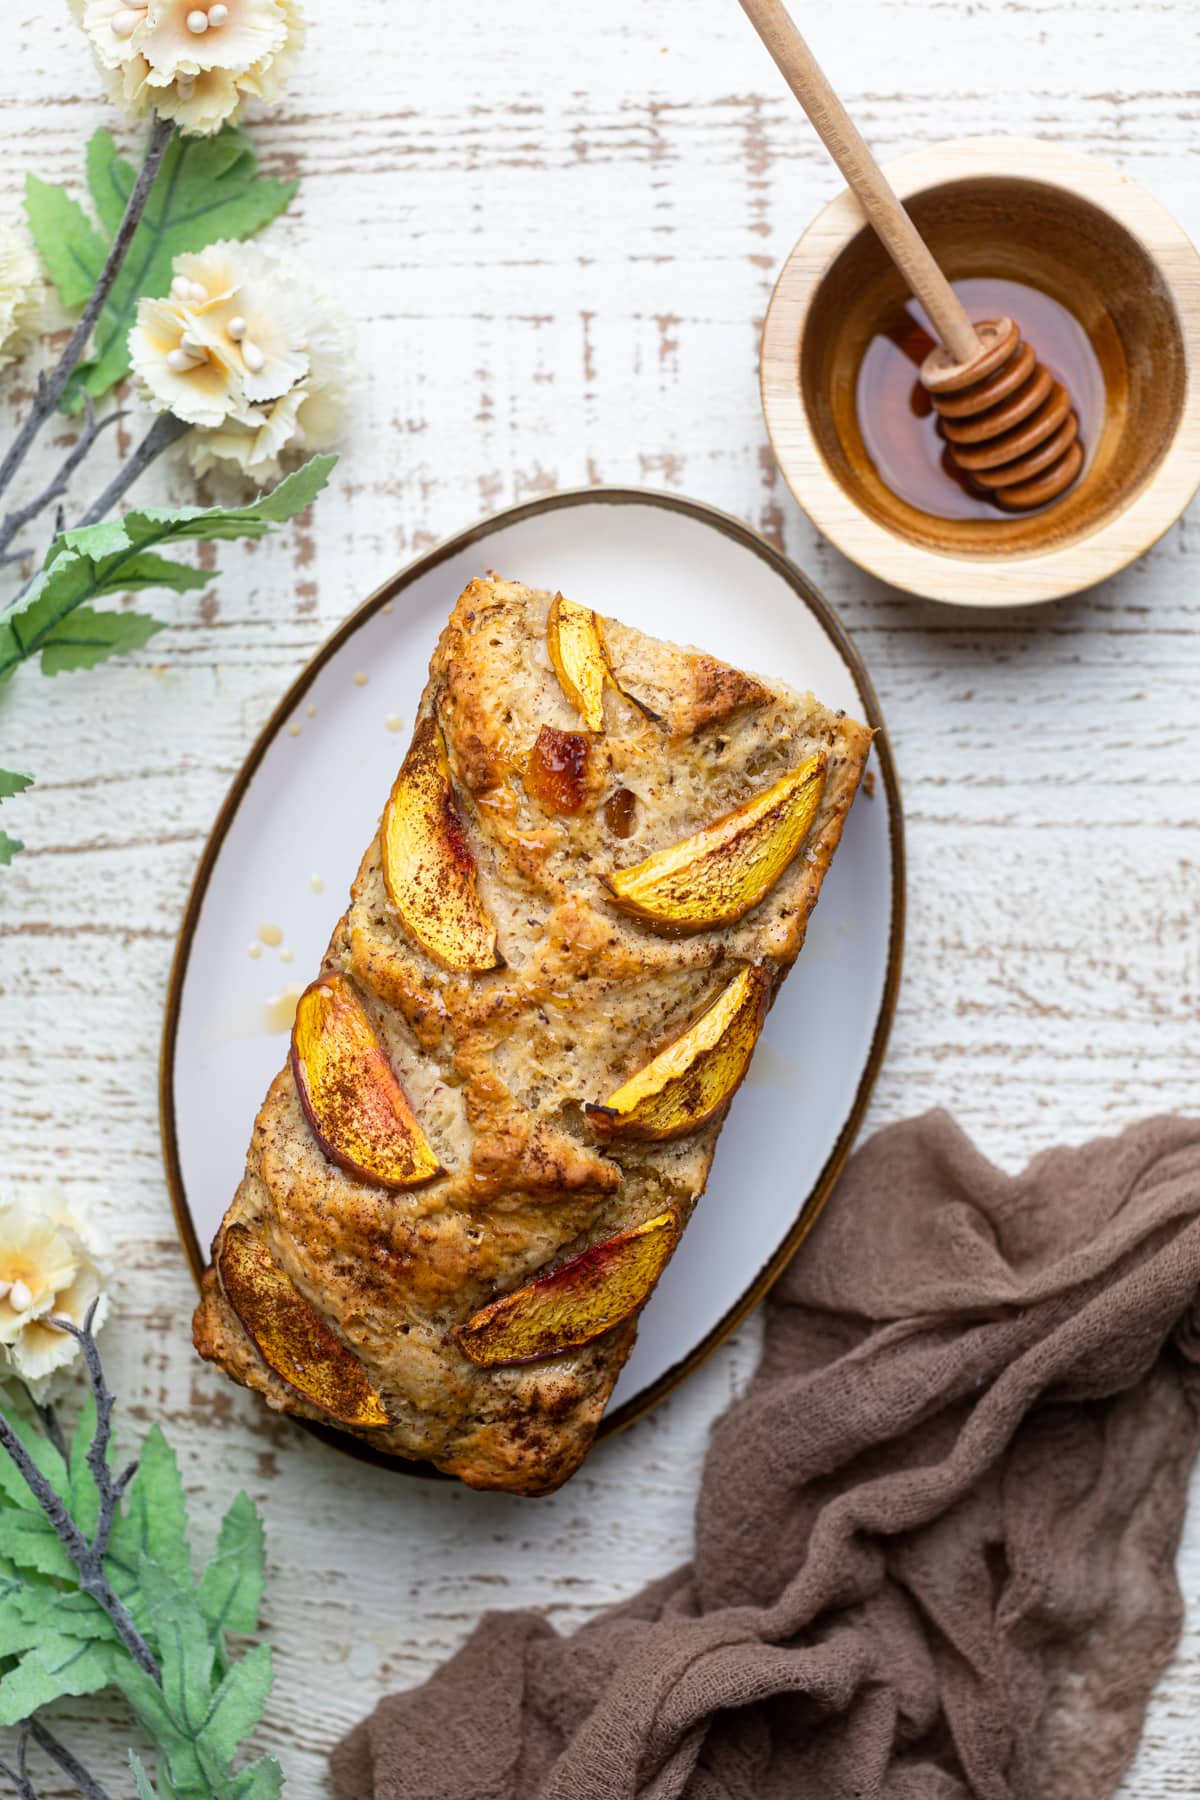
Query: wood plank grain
column 558, row 235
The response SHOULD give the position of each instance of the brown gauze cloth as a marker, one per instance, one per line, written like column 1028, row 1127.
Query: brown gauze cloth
column 935, row 1538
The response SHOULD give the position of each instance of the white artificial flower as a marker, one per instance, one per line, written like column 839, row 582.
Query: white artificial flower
column 246, row 349
column 250, row 312
column 268, row 80
column 183, row 369
column 21, row 294
column 198, row 104
column 52, row 1263
column 193, row 61
column 252, row 448
column 123, row 68
column 180, row 36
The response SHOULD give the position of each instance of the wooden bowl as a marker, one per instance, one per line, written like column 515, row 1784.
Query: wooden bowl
column 1028, row 211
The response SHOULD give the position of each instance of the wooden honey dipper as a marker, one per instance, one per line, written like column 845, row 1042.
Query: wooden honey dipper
column 1009, row 425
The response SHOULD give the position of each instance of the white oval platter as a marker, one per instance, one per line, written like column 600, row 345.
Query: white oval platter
column 329, row 753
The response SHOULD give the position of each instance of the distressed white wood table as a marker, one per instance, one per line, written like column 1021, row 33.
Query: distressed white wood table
column 558, row 228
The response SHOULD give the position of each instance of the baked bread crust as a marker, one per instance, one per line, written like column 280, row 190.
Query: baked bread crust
column 498, row 1065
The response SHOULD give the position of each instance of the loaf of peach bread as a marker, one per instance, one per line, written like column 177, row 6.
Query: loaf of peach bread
column 507, row 1081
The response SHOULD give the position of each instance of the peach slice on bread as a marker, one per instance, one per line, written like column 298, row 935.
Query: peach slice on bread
column 717, row 875
column 290, row 1336
column 357, row 1109
column 577, row 652
column 428, row 867
column 693, row 1078
column 575, row 1303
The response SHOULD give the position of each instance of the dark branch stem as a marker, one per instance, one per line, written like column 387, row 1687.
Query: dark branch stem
column 22, row 1786
column 165, row 431
column 20, row 1775
column 97, row 1453
column 55, row 1508
column 51, row 387
column 70, row 1765
column 87, row 1558
column 92, row 1579
column 16, row 521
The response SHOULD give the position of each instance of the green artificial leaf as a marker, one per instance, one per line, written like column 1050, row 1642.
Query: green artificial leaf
column 208, row 189
column 29, row 1540
column 294, row 492
column 116, row 556
column 154, row 1715
column 149, row 570
column 11, row 783
column 12, row 1621
column 196, row 1731
column 57, row 590
column 32, row 1617
column 24, row 1597
column 235, row 1709
column 58, row 1641
column 43, row 1454
column 185, row 1649
column 69, row 244
column 231, row 1586
column 260, row 1780
column 84, row 1499
column 14, row 1580
column 38, row 1609
column 152, row 1526
column 75, row 1615
column 175, row 1744
column 88, row 637
column 58, row 1666
column 114, row 538
column 145, row 1787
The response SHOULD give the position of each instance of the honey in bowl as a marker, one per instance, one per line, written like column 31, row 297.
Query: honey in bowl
column 899, row 427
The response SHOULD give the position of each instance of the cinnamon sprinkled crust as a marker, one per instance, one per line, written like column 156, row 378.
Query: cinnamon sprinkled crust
column 508, row 992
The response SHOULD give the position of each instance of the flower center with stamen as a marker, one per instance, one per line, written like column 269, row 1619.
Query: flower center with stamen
column 189, row 355
column 252, row 356
column 188, row 291
column 126, row 20
column 201, row 19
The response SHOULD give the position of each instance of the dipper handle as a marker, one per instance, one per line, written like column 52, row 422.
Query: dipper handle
column 870, row 186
